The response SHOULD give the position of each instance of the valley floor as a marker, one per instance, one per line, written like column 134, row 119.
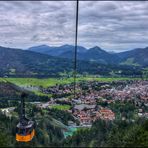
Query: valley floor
column 108, row 99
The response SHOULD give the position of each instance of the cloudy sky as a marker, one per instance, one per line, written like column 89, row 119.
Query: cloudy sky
column 114, row 26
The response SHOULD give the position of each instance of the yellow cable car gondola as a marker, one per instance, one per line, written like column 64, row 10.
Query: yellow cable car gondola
column 25, row 129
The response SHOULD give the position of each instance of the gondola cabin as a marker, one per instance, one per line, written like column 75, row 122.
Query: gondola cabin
column 25, row 133
column 25, row 129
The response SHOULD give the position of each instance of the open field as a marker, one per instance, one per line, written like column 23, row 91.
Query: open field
column 31, row 83
column 53, row 81
column 37, row 82
column 61, row 107
column 2, row 80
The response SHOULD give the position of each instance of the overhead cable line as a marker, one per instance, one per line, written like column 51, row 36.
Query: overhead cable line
column 76, row 47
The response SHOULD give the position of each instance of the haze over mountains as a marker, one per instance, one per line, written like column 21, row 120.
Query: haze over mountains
column 135, row 57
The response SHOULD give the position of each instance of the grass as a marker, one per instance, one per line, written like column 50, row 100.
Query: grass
column 2, row 80
column 106, row 79
column 41, row 94
column 37, row 82
column 46, row 82
column 53, row 81
column 61, row 107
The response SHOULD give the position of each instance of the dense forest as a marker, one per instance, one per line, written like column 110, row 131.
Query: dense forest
column 31, row 64
column 111, row 134
column 104, row 134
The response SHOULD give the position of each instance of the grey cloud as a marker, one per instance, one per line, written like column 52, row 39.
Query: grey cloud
column 123, row 24
column 36, row 22
column 109, row 24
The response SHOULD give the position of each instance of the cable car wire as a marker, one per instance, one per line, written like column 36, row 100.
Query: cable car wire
column 76, row 47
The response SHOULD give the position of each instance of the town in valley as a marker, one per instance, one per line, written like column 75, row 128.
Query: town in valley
column 123, row 99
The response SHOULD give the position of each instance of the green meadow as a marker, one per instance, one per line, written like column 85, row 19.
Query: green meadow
column 36, row 82
column 46, row 82
column 61, row 107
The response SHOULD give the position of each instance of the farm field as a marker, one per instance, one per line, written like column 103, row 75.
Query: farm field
column 36, row 82
column 32, row 84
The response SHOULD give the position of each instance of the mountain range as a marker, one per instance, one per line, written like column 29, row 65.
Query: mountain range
column 135, row 57
column 22, row 62
column 27, row 63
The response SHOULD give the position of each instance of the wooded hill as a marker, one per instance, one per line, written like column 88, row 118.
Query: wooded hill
column 24, row 63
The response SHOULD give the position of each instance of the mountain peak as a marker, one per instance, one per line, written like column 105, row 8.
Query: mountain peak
column 66, row 46
column 97, row 49
column 42, row 46
column 146, row 48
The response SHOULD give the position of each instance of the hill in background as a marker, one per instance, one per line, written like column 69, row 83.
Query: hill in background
column 26, row 63
column 135, row 57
